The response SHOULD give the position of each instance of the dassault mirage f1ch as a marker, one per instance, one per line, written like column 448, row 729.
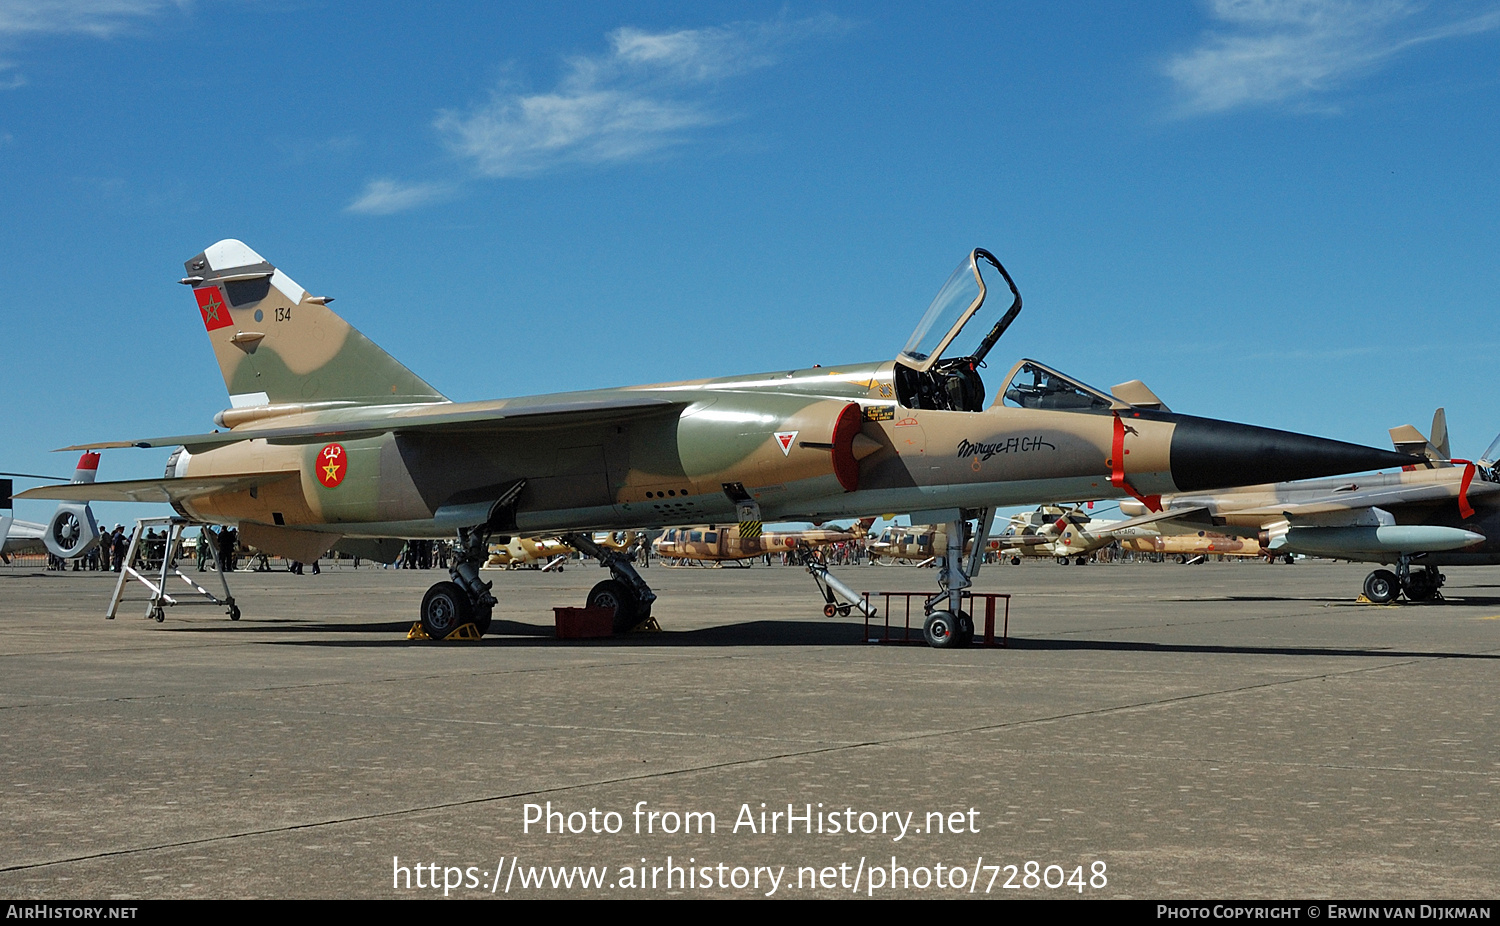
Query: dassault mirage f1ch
column 328, row 436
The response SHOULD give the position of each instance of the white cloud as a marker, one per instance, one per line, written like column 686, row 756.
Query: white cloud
column 101, row 18
column 385, row 197
column 98, row 18
column 1292, row 51
column 642, row 95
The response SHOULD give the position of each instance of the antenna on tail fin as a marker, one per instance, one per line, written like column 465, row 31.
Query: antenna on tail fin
column 277, row 345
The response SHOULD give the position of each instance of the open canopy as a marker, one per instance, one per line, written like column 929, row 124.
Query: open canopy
column 961, row 300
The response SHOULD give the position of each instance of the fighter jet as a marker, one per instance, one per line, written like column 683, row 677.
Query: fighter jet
column 1429, row 515
column 328, row 436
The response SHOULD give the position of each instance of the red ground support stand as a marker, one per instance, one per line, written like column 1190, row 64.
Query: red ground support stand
column 906, row 637
column 584, row 623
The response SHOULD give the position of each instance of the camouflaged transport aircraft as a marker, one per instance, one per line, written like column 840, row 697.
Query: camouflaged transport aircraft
column 1193, row 545
column 711, row 543
column 328, row 436
column 1429, row 515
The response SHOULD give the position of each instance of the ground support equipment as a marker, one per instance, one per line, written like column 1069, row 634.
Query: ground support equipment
column 885, row 631
column 156, row 580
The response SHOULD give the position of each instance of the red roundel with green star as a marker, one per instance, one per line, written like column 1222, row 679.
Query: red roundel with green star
column 333, row 463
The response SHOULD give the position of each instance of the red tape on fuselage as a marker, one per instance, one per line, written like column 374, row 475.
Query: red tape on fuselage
column 1464, row 508
column 1117, row 468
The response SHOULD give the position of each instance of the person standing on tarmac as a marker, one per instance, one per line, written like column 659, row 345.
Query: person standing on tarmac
column 205, row 537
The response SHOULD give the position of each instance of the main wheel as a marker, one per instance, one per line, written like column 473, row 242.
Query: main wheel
column 1421, row 586
column 941, row 630
column 616, row 595
column 1015, row 560
column 445, row 608
column 1382, row 586
column 1082, row 561
column 1062, row 561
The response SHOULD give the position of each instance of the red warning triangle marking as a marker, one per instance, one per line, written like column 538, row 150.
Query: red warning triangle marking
column 785, row 438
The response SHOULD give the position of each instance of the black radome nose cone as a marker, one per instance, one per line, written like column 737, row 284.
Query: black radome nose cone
column 1211, row 454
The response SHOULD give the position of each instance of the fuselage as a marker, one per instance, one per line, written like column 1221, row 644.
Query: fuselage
column 783, row 438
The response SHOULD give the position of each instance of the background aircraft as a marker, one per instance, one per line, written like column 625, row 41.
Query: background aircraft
column 1192, row 544
column 1427, row 516
column 534, row 552
column 1065, row 534
column 70, row 531
column 329, row 436
column 729, row 543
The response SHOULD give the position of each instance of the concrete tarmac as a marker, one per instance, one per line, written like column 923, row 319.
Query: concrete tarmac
column 1155, row 731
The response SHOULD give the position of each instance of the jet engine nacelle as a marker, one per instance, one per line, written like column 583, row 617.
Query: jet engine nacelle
column 71, row 530
column 759, row 444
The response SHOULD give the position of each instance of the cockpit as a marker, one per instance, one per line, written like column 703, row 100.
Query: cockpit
column 939, row 366
column 1489, row 469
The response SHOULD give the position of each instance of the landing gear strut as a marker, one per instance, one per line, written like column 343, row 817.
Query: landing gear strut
column 627, row 593
column 947, row 624
column 466, row 599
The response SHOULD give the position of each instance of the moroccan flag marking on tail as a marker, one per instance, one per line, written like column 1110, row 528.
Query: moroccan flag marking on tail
column 215, row 310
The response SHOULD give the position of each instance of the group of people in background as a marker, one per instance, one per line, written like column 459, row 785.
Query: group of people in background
column 104, row 556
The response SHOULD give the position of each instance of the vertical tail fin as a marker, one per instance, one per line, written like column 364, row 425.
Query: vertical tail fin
column 1407, row 439
column 88, row 468
column 278, row 345
column 1439, row 438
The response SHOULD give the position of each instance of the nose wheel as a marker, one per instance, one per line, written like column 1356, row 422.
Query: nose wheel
column 946, row 630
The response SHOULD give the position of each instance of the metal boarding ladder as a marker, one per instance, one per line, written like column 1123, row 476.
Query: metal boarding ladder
column 156, row 580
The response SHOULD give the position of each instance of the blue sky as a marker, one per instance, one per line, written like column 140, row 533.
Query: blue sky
column 1281, row 212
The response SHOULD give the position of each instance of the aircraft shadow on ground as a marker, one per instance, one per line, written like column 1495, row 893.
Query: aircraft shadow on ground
column 517, row 633
column 512, row 634
column 1204, row 649
column 1452, row 599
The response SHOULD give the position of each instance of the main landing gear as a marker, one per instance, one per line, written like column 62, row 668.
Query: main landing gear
column 626, row 593
column 466, row 599
column 1420, row 584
